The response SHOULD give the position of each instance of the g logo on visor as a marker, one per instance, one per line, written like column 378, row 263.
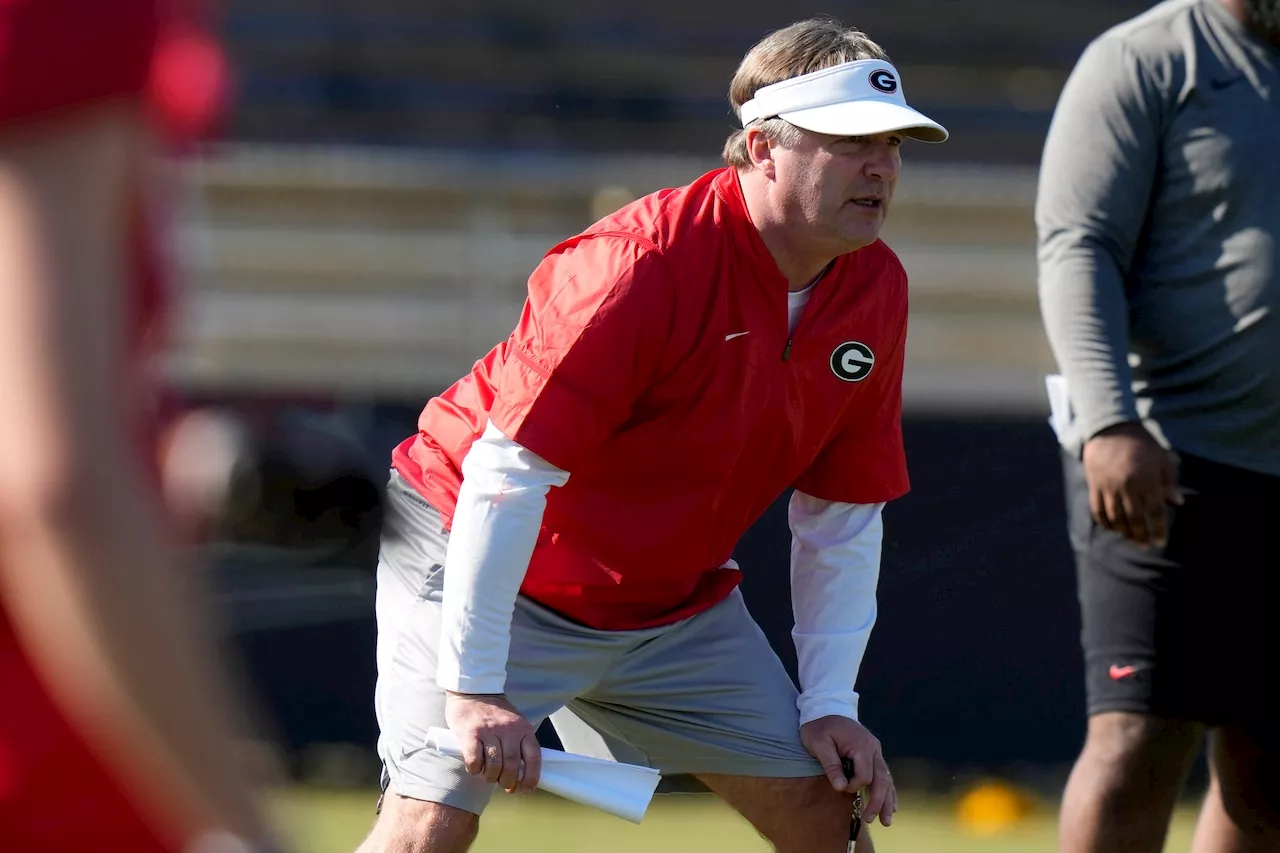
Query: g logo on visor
column 884, row 81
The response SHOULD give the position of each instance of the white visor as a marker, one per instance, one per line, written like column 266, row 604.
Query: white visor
column 854, row 99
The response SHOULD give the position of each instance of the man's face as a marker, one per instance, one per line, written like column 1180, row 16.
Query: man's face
column 1265, row 15
column 838, row 189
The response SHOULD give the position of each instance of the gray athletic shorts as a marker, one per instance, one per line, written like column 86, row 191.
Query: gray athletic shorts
column 705, row 695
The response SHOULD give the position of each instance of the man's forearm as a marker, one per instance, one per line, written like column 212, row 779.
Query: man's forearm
column 835, row 569
column 1086, row 319
column 495, row 529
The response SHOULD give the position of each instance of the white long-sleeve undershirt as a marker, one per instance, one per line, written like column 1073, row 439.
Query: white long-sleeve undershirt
column 835, row 570
column 495, row 526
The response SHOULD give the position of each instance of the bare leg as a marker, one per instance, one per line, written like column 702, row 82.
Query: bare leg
column 804, row 815
column 413, row 826
column 1125, row 784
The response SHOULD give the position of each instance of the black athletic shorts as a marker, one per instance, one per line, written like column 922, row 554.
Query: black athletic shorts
column 1191, row 631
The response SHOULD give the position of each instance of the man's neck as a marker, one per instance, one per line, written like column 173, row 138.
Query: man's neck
column 800, row 267
column 800, row 273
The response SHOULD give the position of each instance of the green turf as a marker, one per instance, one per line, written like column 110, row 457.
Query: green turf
column 335, row 822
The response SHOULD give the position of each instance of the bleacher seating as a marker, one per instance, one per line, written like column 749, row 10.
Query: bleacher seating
column 397, row 168
column 386, row 274
column 579, row 75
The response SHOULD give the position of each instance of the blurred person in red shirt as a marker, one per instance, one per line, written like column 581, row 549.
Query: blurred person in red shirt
column 116, row 715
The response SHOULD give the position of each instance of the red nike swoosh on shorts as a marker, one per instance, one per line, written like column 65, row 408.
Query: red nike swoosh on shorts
column 1119, row 672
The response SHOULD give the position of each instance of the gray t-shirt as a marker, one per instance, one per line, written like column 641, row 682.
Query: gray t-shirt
column 1159, row 235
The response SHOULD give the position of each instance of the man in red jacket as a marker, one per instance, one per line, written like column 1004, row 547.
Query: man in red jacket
column 560, row 530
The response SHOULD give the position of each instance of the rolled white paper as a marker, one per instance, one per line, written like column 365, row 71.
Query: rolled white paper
column 623, row 790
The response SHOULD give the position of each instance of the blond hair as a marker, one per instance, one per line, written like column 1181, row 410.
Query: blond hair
column 805, row 46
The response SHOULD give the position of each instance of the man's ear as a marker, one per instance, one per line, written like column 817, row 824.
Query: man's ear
column 760, row 151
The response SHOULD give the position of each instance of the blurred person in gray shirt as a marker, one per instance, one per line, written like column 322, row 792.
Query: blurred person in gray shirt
column 1158, row 216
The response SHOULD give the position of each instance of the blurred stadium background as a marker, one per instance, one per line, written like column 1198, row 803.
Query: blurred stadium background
column 361, row 230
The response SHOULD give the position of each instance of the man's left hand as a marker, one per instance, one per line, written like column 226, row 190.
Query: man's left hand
column 830, row 739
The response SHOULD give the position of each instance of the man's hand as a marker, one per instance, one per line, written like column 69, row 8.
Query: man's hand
column 1132, row 481
column 829, row 739
column 495, row 739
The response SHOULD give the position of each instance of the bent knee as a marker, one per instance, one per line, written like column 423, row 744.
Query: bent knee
column 407, row 825
column 1138, row 743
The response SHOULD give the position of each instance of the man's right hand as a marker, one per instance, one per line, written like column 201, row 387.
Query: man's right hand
column 1132, row 482
column 495, row 739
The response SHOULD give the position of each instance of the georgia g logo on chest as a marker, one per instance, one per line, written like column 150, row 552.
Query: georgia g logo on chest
column 852, row 361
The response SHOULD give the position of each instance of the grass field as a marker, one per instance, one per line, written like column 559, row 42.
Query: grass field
column 321, row 821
